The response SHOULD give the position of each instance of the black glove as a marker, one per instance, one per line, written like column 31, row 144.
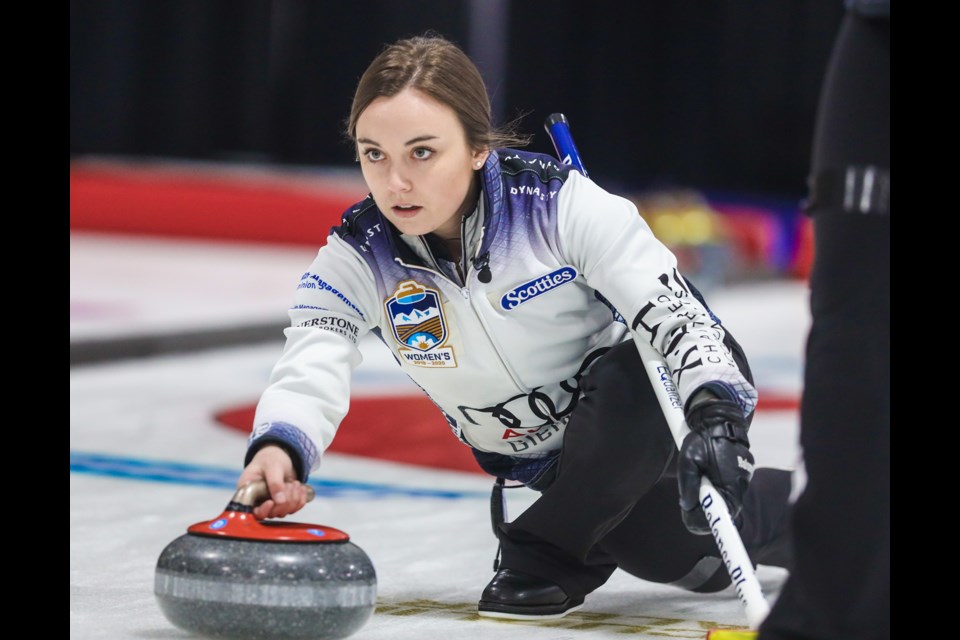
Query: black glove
column 716, row 447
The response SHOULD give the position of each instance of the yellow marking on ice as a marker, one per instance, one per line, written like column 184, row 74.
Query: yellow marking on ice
column 617, row 623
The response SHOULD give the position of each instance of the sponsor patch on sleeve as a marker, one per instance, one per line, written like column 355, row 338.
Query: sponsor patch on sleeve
column 314, row 282
column 337, row 324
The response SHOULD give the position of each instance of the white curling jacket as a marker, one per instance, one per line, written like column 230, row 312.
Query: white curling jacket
column 557, row 271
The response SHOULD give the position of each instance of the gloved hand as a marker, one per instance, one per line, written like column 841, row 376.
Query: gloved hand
column 716, row 447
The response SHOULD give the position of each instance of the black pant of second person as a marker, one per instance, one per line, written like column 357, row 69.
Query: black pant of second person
column 840, row 587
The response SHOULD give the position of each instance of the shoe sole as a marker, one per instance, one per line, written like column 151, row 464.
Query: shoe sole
column 519, row 614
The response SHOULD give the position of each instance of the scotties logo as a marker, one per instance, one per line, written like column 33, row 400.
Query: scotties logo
column 416, row 316
column 530, row 290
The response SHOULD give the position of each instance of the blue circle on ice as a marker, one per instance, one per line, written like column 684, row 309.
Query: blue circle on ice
column 317, row 532
column 218, row 524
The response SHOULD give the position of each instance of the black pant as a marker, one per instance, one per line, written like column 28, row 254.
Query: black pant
column 840, row 586
column 615, row 502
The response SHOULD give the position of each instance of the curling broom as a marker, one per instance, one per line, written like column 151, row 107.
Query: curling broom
column 725, row 533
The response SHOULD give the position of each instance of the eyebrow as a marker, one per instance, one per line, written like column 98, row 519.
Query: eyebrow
column 409, row 142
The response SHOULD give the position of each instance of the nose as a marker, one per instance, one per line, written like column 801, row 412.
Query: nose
column 397, row 180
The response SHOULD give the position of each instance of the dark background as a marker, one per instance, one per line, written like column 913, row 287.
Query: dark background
column 718, row 95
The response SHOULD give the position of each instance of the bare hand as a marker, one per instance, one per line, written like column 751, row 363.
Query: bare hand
column 287, row 494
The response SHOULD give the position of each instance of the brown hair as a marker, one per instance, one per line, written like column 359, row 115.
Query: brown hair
column 440, row 69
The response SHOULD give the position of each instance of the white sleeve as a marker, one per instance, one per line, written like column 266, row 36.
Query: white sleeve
column 606, row 239
column 308, row 394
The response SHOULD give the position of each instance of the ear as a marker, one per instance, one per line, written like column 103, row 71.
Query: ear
column 480, row 158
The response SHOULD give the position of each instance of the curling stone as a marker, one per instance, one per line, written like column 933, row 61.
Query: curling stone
column 242, row 578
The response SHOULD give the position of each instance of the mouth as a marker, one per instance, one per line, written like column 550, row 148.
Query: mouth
column 406, row 210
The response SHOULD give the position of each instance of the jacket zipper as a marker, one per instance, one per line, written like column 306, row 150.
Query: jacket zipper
column 469, row 264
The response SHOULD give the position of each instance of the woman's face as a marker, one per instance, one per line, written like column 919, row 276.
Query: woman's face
column 417, row 164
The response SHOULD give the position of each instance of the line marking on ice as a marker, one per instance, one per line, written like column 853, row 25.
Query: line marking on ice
column 209, row 476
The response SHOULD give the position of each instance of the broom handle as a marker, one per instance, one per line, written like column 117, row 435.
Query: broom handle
column 725, row 532
column 732, row 552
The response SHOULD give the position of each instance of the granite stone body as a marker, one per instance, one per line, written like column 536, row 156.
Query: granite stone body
column 260, row 590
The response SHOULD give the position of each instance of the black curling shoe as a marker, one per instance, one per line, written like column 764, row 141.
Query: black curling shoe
column 520, row 596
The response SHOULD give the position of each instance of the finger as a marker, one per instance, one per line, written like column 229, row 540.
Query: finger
column 264, row 510
column 283, row 510
column 249, row 475
column 276, row 486
column 695, row 521
column 296, row 498
column 301, row 494
column 688, row 479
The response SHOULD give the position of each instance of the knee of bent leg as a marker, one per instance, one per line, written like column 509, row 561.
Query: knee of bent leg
column 708, row 575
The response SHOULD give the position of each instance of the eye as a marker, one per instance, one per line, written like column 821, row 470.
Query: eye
column 373, row 155
column 422, row 153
